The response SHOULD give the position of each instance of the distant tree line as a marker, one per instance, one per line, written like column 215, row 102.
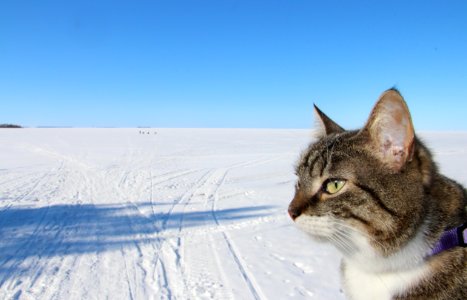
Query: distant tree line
column 9, row 126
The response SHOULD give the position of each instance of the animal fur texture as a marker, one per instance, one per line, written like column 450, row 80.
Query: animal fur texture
column 376, row 194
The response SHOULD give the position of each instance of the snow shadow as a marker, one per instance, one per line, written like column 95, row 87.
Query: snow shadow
column 61, row 230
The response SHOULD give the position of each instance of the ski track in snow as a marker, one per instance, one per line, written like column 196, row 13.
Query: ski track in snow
column 181, row 214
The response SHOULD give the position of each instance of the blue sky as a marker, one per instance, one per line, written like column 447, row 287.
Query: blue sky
column 230, row 63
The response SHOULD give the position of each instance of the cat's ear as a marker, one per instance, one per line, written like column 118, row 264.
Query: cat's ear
column 391, row 130
column 326, row 125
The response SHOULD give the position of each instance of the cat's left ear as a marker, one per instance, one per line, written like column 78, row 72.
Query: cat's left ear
column 391, row 130
column 327, row 126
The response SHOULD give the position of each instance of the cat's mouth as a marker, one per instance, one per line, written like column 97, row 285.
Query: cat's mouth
column 329, row 229
column 317, row 227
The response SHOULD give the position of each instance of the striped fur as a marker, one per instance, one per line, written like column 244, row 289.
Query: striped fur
column 391, row 211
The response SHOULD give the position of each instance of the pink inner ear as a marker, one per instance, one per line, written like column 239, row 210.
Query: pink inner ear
column 386, row 145
column 394, row 140
column 392, row 150
column 391, row 130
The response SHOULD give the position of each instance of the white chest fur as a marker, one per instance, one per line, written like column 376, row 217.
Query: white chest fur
column 361, row 285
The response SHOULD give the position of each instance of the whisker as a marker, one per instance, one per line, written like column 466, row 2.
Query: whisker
column 344, row 244
column 338, row 243
column 364, row 234
column 345, row 240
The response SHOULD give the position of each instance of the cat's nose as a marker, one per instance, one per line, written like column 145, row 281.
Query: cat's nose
column 294, row 212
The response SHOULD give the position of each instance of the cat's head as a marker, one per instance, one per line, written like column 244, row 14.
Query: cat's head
column 363, row 190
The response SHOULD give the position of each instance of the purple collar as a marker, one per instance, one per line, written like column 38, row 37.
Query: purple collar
column 451, row 238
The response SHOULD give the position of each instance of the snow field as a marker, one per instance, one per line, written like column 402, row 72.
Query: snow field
column 174, row 214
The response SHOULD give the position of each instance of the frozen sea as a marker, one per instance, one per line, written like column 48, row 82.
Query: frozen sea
column 164, row 214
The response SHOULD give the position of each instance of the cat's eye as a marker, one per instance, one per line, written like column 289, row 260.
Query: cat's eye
column 332, row 186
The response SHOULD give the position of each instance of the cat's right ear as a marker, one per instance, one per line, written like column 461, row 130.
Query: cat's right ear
column 326, row 125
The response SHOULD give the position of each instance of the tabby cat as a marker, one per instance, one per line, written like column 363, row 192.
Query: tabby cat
column 377, row 196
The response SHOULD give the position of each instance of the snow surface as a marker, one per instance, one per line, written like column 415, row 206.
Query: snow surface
column 168, row 214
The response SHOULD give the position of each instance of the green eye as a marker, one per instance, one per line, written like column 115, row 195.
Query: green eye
column 332, row 186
